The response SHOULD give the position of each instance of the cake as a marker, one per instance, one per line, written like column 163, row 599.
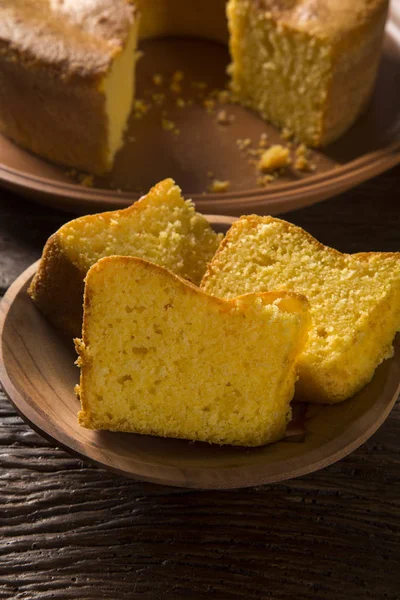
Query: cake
column 307, row 66
column 159, row 356
column 354, row 299
column 67, row 77
column 161, row 227
column 67, row 68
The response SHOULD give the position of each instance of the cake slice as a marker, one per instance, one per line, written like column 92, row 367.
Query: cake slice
column 306, row 66
column 161, row 357
column 161, row 227
column 67, row 72
column 354, row 299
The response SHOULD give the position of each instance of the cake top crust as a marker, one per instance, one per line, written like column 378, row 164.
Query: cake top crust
column 325, row 18
column 74, row 38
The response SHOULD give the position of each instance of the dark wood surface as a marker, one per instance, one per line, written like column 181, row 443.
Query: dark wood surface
column 68, row 530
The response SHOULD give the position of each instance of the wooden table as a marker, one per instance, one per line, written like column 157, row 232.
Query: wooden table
column 69, row 530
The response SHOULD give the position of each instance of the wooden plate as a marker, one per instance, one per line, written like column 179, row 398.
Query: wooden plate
column 38, row 373
column 152, row 153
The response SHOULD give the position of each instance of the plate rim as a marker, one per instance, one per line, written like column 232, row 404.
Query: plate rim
column 250, row 475
column 305, row 191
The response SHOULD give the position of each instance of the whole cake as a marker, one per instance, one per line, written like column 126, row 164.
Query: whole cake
column 67, row 68
column 161, row 227
column 354, row 299
column 159, row 356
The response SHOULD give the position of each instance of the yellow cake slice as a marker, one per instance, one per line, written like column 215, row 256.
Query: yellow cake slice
column 308, row 66
column 354, row 299
column 161, row 357
column 161, row 227
column 67, row 72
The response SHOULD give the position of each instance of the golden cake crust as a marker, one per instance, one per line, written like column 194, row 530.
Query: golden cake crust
column 58, row 285
column 328, row 19
column 71, row 38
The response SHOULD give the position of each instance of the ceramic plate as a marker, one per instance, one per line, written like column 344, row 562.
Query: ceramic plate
column 38, row 373
column 204, row 149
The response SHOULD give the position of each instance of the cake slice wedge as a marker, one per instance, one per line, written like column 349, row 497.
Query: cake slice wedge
column 354, row 299
column 159, row 356
column 161, row 227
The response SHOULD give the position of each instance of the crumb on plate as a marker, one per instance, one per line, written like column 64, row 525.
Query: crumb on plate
column 274, row 158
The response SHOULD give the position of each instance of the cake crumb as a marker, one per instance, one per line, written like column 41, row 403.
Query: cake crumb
column 158, row 79
column 275, row 157
column 302, row 162
column 263, row 143
column 255, row 151
column 176, row 87
column 209, row 104
column 167, row 125
column 158, row 98
column 86, row 180
column 178, row 76
column 243, row 144
column 265, row 180
column 199, row 85
column 223, row 118
column 224, row 96
column 217, row 186
column 140, row 108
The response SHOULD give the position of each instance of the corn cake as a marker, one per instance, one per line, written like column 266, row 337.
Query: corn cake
column 354, row 299
column 67, row 77
column 159, row 356
column 161, row 227
column 308, row 66
column 67, row 70
column 68, row 67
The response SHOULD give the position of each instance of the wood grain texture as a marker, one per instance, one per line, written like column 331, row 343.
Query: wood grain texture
column 68, row 530
column 71, row 531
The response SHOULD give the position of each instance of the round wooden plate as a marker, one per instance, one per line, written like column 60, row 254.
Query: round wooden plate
column 38, row 373
column 202, row 146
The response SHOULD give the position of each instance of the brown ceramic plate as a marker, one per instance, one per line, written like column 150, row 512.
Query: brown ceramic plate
column 152, row 153
column 38, row 373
